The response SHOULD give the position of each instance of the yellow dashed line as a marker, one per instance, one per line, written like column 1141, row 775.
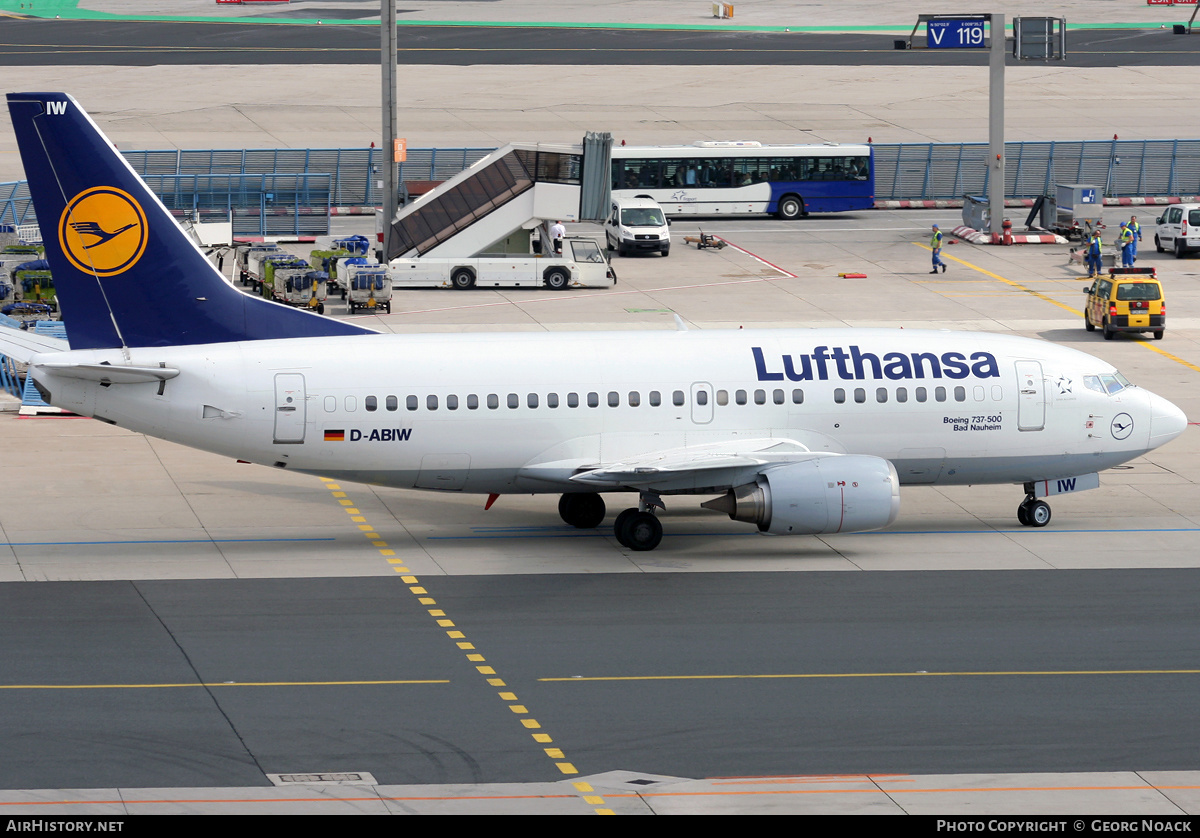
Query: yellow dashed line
column 452, row 632
column 1064, row 306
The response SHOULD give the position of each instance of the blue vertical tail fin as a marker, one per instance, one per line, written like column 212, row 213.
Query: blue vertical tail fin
column 124, row 271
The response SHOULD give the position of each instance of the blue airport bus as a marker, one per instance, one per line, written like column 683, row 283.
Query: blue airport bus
column 747, row 178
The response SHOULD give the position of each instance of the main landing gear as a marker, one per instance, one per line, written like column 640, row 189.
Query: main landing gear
column 1033, row 512
column 636, row 528
column 584, row 510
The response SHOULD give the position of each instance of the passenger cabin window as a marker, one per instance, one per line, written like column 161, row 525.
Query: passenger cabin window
column 391, row 403
column 493, row 401
column 371, row 404
column 552, row 400
column 655, row 398
column 410, row 402
column 330, row 404
column 677, row 398
column 431, row 402
column 514, row 401
column 572, row 400
column 451, row 402
column 472, row 402
column 593, row 399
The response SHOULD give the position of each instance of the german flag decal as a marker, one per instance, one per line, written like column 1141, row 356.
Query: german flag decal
column 335, row 436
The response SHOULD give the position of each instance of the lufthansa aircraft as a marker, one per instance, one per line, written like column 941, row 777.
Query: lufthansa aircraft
column 795, row 431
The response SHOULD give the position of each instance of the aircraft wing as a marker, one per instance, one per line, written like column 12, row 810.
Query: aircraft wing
column 713, row 465
column 21, row 346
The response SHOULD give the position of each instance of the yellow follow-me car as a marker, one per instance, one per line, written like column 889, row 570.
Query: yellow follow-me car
column 1127, row 300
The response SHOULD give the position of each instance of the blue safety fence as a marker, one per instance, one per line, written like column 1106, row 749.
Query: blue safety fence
column 15, row 205
column 1120, row 168
column 12, row 378
column 295, row 204
column 253, row 184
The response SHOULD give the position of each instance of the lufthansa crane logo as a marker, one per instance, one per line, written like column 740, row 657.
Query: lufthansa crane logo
column 103, row 231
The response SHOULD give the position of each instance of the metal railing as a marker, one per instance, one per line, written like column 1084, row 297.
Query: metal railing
column 903, row 171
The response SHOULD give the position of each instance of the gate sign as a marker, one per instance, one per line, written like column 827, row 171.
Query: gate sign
column 955, row 34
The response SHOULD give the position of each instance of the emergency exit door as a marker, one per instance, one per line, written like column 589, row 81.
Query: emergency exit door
column 290, row 410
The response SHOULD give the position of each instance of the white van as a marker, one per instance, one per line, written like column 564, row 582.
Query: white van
column 637, row 225
column 1179, row 229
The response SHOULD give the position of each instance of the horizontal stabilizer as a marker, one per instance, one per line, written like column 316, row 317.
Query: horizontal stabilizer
column 21, row 345
column 108, row 373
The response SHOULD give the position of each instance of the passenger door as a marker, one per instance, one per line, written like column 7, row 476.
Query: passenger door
column 290, row 408
column 1031, row 397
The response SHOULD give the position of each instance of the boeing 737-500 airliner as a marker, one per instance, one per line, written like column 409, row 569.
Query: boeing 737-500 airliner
column 797, row 431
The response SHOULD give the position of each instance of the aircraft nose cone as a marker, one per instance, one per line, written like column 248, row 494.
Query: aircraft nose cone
column 1166, row 421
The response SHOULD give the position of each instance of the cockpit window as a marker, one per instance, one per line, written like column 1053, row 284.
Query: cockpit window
column 1112, row 384
column 1109, row 383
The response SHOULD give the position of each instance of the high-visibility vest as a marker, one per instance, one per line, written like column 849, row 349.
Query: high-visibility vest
column 936, row 241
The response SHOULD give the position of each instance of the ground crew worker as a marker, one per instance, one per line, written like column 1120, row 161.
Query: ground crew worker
column 1137, row 234
column 557, row 231
column 935, row 243
column 1094, row 251
column 1126, row 242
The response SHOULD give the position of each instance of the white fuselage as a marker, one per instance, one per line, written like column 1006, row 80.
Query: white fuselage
column 523, row 412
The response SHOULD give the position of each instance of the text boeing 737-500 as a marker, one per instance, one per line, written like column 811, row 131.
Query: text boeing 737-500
column 796, row 431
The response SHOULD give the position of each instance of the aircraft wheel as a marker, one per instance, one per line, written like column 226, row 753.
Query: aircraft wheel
column 1038, row 513
column 584, row 510
column 1023, row 513
column 637, row 530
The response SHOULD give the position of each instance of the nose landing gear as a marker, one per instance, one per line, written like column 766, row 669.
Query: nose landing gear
column 1033, row 512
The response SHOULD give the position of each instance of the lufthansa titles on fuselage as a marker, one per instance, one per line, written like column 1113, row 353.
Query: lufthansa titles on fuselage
column 824, row 363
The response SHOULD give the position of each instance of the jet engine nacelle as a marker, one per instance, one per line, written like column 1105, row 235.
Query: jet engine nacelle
column 824, row 495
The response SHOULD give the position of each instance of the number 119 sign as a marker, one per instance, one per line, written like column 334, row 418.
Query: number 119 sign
column 955, row 34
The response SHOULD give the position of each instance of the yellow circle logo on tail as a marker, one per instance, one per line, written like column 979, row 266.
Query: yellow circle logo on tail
column 103, row 231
